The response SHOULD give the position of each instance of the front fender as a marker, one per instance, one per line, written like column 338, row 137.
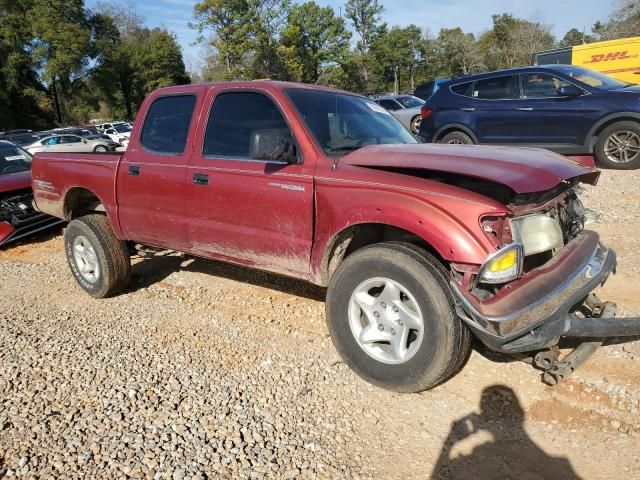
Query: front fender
column 448, row 223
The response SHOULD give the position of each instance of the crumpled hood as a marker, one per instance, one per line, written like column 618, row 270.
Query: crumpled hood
column 524, row 170
column 10, row 182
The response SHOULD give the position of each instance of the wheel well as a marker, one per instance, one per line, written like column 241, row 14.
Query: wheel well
column 80, row 201
column 608, row 123
column 356, row 237
column 452, row 129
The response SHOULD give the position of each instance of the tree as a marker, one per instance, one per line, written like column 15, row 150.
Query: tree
column 365, row 18
column 315, row 37
column 397, row 51
column 457, row 53
column 512, row 41
column 139, row 61
column 23, row 99
column 232, row 23
column 622, row 23
column 575, row 37
column 269, row 21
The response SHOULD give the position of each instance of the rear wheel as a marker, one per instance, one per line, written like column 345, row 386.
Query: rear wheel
column 456, row 138
column 391, row 317
column 98, row 260
column 618, row 146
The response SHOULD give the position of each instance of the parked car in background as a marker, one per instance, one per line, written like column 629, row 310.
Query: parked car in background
column 21, row 138
column 17, row 216
column 564, row 108
column 72, row 143
column 425, row 90
column 420, row 246
column 405, row 108
column 119, row 132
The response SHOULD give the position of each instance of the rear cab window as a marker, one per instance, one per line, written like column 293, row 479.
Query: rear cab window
column 166, row 126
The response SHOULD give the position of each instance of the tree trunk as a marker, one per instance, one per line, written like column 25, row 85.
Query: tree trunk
column 395, row 80
column 56, row 101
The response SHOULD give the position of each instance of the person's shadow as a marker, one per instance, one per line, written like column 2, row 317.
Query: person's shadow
column 494, row 445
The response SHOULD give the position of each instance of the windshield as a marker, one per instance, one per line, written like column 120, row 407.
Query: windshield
column 410, row 101
column 591, row 78
column 341, row 123
column 122, row 127
column 13, row 159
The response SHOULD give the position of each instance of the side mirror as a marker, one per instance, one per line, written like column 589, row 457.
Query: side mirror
column 570, row 91
column 84, row 140
column 273, row 145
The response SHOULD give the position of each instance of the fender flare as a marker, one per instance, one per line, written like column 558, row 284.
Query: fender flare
column 591, row 138
column 455, row 126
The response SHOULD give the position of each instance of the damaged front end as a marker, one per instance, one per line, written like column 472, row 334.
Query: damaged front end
column 19, row 219
column 537, row 287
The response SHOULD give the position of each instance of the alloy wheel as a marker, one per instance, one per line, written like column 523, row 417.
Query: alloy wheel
column 85, row 258
column 385, row 320
column 622, row 146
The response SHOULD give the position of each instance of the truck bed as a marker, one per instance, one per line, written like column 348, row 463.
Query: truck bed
column 55, row 174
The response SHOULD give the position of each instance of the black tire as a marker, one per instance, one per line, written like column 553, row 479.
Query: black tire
column 446, row 342
column 456, row 137
column 620, row 128
column 100, row 149
column 415, row 124
column 111, row 254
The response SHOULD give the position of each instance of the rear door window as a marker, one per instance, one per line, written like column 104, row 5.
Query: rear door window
column 495, row 88
column 166, row 125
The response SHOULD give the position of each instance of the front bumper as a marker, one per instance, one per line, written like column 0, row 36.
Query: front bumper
column 534, row 311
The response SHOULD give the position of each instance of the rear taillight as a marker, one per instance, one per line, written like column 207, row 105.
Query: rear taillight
column 425, row 112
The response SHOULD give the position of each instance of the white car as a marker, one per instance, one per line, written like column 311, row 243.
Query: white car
column 119, row 132
column 71, row 144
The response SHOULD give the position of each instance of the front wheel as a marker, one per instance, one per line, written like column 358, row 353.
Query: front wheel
column 100, row 149
column 456, row 138
column 618, row 146
column 98, row 260
column 391, row 317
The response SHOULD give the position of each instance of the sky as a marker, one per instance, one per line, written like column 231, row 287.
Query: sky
column 471, row 15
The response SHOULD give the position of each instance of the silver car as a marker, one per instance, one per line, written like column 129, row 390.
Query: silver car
column 72, row 144
column 405, row 108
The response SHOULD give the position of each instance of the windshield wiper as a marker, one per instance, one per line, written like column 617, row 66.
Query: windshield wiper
column 345, row 148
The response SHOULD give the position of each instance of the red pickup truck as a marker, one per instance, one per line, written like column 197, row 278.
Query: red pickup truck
column 420, row 246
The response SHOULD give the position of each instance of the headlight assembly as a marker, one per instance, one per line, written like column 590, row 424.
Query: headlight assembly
column 537, row 233
column 503, row 266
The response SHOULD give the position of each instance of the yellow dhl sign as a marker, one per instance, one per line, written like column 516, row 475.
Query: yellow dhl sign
column 617, row 58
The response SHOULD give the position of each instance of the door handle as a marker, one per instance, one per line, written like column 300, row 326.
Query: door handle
column 525, row 109
column 468, row 109
column 201, row 179
column 134, row 170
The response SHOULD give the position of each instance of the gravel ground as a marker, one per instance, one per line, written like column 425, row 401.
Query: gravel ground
column 204, row 370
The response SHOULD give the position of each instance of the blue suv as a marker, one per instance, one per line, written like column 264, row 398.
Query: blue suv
column 564, row 108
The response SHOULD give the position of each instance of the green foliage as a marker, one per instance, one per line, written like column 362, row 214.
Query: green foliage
column 317, row 37
column 622, row 23
column 60, row 63
column 575, row 37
